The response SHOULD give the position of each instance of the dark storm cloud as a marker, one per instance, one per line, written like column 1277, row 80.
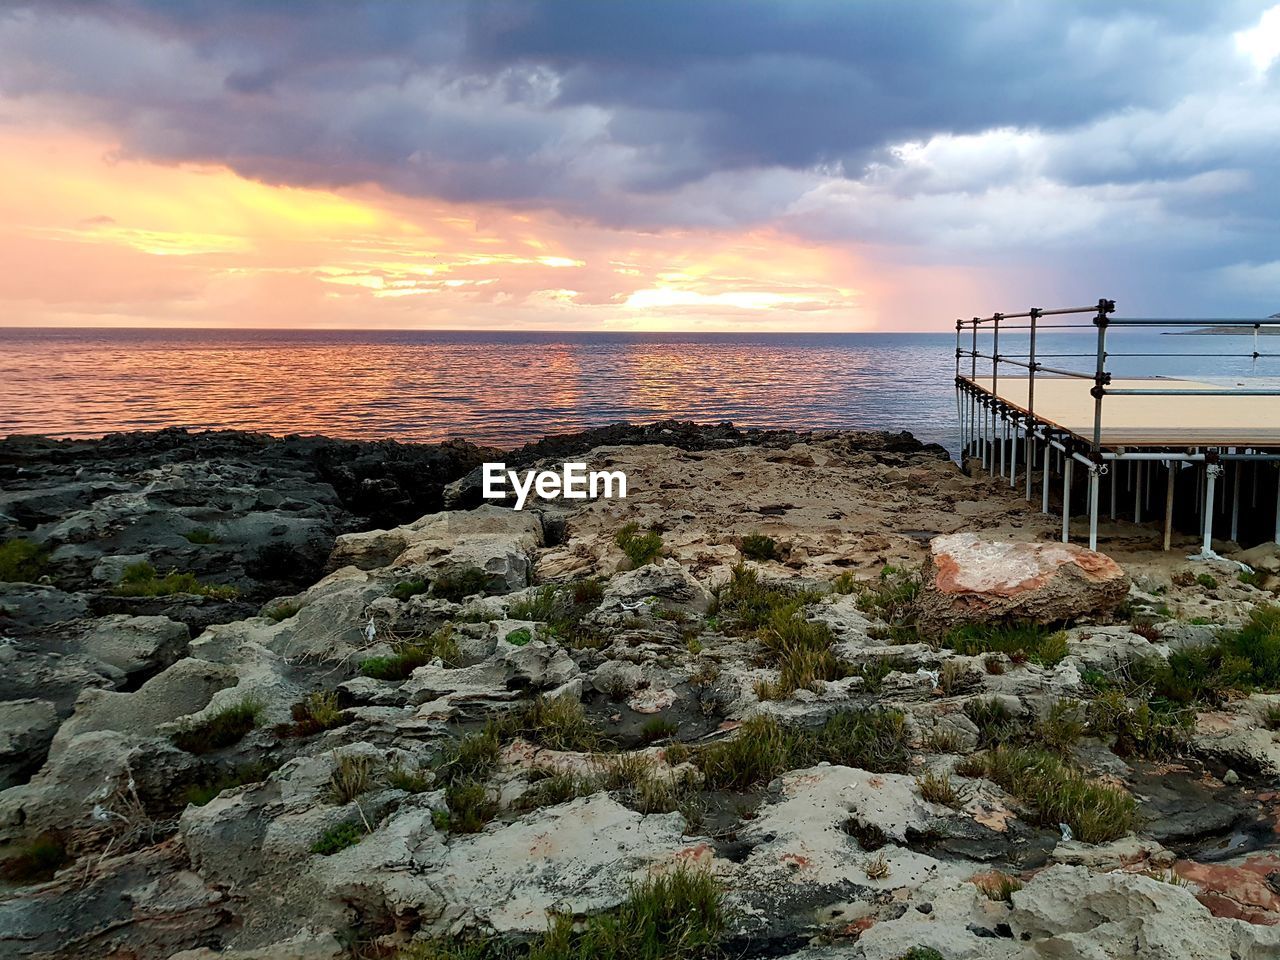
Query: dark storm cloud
column 699, row 112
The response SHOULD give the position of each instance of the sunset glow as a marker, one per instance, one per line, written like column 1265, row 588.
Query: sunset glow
column 462, row 167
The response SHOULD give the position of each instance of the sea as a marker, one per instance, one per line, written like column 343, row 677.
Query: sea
column 505, row 389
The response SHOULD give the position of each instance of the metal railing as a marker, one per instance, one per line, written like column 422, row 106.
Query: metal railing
column 1100, row 375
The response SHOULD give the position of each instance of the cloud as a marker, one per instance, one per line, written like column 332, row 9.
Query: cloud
column 948, row 132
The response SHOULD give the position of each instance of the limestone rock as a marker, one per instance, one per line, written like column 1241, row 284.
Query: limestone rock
column 970, row 579
column 1072, row 914
column 26, row 728
column 666, row 585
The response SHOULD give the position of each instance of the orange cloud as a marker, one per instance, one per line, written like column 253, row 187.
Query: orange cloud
column 96, row 238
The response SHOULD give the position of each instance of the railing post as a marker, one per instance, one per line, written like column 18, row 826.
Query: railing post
column 1031, row 398
column 995, row 391
column 1211, row 471
column 1100, row 378
column 1067, row 462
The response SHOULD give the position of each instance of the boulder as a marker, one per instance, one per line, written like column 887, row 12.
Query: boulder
column 666, row 585
column 134, row 644
column 971, row 579
column 1071, row 914
column 26, row 728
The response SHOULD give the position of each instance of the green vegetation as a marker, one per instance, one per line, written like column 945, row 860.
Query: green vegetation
column 141, row 580
column 646, row 791
column 22, row 561
column 874, row 740
column 472, row 757
column 1251, row 578
column 995, row 722
column 1271, row 717
column 282, row 611
column 36, row 860
column 1058, row 792
column 197, row 795
column 201, row 535
column 519, row 637
column 470, row 807
column 1020, row 641
column 560, row 724
column 338, row 838
column 756, row 546
column 411, row 654
column 1062, row 725
column 640, row 548
column 1208, row 581
column 409, row 588
column 458, row 583
column 676, row 915
column 351, row 777
column 317, row 712
column 938, row 788
column 922, row 953
column 411, row 781
column 1142, row 728
column 749, row 605
column 556, row 788
column 226, row 727
column 658, row 728
column 561, row 608
column 891, row 598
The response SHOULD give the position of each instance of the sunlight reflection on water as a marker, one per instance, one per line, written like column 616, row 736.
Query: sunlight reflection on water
column 499, row 388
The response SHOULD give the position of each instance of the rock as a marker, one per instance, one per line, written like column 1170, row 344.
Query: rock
column 26, row 730
column 970, row 579
column 25, row 605
column 664, row 586
column 305, row 946
column 497, row 541
column 537, row 666
column 1069, row 913
column 1264, row 557
column 135, row 644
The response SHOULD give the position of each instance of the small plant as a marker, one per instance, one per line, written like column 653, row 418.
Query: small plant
column 756, row 546
column 1208, row 581
column 1251, row 578
column 999, row 886
column 36, row 860
column 995, row 722
column 412, row 654
column 658, row 728
column 201, row 535
column 409, row 588
column 845, row 584
column 22, row 561
column 560, row 724
column 954, row 677
column 556, row 788
column 458, row 583
column 223, row 729
column 1096, row 812
column 877, row 868
column 921, row 953
column 1062, row 725
column 473, row 757
column 640, row 548
column 338, row 838
column 942, row 739
column 282, row 611
column 351, row 777
column 400, row 777
column 470, row 807
column 141, row 580
column 761, row 750
column 1021, row 642
column 892, row 598
column 938, row 788
column 519, row 637
column 317, row 712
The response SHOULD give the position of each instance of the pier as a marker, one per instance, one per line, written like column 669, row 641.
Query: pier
column 1196, row 455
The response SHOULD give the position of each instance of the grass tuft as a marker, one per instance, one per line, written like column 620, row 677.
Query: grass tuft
column 338, row 838
column 458, row 583
column 409, row 588
column 352, row 777
column 202, row 535
column 22, row 561
column 756, row 546
column 640, row 548
column 223, row 729
column 938, row 788
column 317, row 712
column 1059, row 793
column 412, row 654
column 1020, row 641
column 141, row 580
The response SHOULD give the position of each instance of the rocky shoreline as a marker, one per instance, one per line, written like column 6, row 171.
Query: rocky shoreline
column 800, row 694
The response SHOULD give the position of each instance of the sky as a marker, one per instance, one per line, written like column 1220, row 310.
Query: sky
column 698, row 165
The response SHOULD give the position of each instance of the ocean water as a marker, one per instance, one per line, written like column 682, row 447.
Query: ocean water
column 507, row 388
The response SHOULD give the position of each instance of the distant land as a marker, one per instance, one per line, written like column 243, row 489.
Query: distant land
column 1234, row 329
